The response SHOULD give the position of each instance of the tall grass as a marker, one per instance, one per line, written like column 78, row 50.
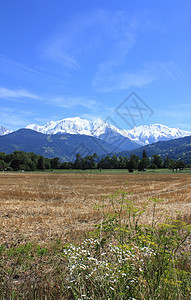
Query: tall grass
column 124, row 258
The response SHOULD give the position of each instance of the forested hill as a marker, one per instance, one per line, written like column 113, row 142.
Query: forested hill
column 177, row 149
column 64, row 146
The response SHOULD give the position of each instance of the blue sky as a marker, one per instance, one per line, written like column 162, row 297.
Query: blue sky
column 62, row 59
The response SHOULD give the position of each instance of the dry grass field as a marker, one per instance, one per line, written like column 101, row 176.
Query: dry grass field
column 41, row 207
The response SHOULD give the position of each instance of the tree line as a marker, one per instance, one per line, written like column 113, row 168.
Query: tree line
column 123, row 162
column 19, row 160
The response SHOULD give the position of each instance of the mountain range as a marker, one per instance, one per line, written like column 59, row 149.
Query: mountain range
column 123, row 139
column 142, row 135
column 66, row 138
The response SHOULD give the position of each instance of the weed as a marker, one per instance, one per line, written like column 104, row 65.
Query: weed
column 129, row 260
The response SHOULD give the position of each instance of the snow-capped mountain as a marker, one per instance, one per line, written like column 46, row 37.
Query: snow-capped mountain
column 141, row 135
column 75, row 126
column 4, row 131
column 97, row 128
column 148, row 134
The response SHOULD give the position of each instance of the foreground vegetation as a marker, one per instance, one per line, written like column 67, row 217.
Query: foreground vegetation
column 123, row 258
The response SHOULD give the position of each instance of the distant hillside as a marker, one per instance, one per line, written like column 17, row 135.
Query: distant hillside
column 64, row 146
column 178, row 149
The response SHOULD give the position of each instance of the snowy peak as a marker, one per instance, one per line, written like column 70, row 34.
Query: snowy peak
column 148, row 134
column 75, row 126
column 142, row 135
column 4, row 131
column 118, row 140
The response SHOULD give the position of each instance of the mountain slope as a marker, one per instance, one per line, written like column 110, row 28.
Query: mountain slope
column 65, row 146
column 178, row 149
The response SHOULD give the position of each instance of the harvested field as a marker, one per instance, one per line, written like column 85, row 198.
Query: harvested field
column 45, row 206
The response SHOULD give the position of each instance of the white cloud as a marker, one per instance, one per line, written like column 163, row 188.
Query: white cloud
column 108, row 77
column 69, row 102
column 62, row 101
column 107, row 81
column 19, row 93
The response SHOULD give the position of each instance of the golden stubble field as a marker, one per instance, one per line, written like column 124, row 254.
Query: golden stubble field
column 45, row 206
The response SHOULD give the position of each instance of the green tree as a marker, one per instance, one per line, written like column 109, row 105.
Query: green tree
column 47, row 163
column 144, row 154
column 176, row 165
column 136, row 159
column 166, row 162
column 3, row 165
column 67, row 165
column 34, row 157
column 105, row 163
column 41, row 163
column 143, row 164
column 89, row 162
column 55, row 163
column 15, row 164
column 78, row 164
column 153, row 166
column 131, row 164
column 123, row 162
column 180, row 165
column 31, row 166
column 8, row 158
column 157, row 160
column 114, row 162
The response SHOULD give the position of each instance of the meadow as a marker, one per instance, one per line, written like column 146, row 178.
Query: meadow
column 44, row 216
